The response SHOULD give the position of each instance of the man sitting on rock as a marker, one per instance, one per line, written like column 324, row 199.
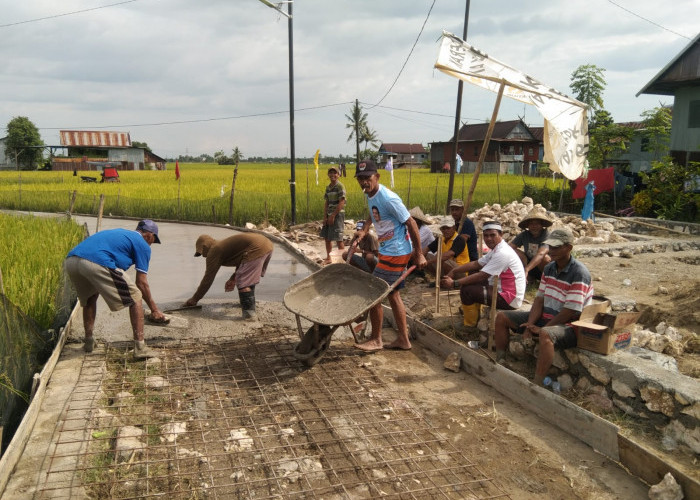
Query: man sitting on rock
column 534, row 253
column 565, row 289
column 502, row 261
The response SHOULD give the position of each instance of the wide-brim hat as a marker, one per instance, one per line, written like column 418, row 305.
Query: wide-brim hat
column 535, row 214
column 418, row 214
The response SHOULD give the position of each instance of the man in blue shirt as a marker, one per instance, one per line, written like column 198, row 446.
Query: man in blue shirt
column 97, row 266
column 399, row 241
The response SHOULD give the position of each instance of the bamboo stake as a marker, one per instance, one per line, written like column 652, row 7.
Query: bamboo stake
column 485, row 147
column 72, row 202
column 230, row 201
column 99, row 213
column 493, row 312
column 438, row 271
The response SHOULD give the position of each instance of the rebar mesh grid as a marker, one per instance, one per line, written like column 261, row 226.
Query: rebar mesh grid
column 241, row 418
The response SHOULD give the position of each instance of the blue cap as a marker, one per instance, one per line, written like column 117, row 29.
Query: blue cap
column 149, row 226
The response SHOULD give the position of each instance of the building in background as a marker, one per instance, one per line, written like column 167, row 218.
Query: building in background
column 680, row 78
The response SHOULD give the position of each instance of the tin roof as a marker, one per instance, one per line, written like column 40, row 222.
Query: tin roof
column 682, row 70
column 90, row 138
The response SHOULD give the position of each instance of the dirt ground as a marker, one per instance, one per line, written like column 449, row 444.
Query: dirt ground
column 664, row 286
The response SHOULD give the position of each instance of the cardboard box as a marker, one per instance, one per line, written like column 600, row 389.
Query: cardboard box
column 602, row 332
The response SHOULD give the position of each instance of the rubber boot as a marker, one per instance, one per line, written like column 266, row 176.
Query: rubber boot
column 471, row 314
column 89, row 344
column 142, row 351
column 248, row 304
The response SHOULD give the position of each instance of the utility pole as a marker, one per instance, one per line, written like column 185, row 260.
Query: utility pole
column 460, row 85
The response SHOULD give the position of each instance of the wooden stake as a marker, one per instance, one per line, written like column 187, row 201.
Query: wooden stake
column 230, row 201
column 438, row 271
column 484, row 148
column 99, row 213
column 72, row 202
column 492, row 315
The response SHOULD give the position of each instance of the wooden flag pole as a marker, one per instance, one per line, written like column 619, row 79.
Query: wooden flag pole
column 484, row 148
column 438, row 271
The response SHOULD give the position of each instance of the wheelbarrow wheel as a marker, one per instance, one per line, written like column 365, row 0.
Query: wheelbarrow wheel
column 305, row 351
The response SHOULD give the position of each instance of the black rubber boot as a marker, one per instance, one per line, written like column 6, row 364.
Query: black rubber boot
column 248, row 303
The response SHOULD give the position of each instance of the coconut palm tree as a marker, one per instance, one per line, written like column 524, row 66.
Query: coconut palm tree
column 357, row 123
column 369, row 136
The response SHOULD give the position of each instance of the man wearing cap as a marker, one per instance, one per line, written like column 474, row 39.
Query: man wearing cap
column 565, row 289
column 534, row 254
column 465, row 227
column 454, row 250
column 333, row 213
column 249, row 253
column 399, row 241
column 97, row 266
column 501, row 261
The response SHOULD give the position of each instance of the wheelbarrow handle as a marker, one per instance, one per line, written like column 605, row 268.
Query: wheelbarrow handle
column 351, row 251
column 402, row 277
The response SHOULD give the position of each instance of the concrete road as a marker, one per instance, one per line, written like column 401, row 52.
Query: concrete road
column 175, row 273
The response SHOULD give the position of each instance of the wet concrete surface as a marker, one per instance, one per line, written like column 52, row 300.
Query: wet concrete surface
column 175, row 273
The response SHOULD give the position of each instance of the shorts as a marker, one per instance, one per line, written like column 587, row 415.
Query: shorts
column 563, row 336
column 390, row 268
column 249, row 273
column 113, row 285
column 334, row 232
column 360, row 262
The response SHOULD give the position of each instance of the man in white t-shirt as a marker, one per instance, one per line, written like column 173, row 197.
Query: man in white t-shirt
column 501, row 261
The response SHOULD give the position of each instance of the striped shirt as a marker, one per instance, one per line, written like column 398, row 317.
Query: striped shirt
column 569, row 288
column 333, row 195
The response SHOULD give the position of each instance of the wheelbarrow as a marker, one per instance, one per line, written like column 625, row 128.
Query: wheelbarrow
column 334, row 296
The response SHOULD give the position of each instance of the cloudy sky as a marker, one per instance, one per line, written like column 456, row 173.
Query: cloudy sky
column 192, row 77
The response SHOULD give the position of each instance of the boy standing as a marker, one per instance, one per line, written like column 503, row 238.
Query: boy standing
column 333, row 213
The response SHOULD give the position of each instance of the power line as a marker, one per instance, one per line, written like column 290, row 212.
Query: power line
column 408, row 57
column 203, row 120
column 66, row 14
column 648, row 20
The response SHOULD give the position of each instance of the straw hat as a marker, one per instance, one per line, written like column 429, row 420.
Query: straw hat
column 418, row 214
column 535, row 214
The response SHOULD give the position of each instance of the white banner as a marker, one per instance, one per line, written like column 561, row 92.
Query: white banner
column 565, row 123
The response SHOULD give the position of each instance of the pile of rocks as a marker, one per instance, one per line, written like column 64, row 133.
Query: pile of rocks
column 585, row 232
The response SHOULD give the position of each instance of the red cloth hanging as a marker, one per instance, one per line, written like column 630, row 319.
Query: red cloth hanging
column 604, row 179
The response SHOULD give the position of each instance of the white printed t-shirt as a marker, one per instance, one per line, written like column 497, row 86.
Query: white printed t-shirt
column 503, row 261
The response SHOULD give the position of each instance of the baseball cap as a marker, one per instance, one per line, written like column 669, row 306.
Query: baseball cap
column 456, row 203
column 149, row 226
column 337, row 170
column 559, row 237
column 366, row 168
column 447, row 221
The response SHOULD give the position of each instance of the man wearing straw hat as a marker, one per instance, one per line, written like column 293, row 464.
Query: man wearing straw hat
column 534, row 254
column 426, row 235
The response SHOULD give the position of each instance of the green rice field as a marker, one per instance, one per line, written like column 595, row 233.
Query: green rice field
column 262, row 192
column 31, row 260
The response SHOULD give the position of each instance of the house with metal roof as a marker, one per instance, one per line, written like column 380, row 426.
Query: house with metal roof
column 402, row 153
column 680, row 78
column 87, row 146
column 512, row 148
